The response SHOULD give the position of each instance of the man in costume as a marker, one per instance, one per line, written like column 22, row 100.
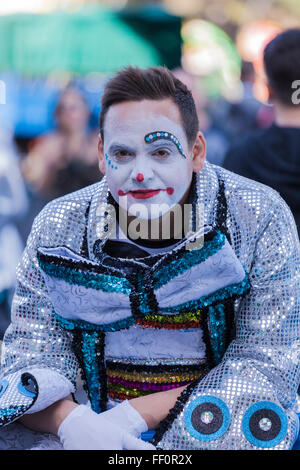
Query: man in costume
column 194, row 336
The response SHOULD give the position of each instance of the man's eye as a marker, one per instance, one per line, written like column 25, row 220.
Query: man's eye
column 161, row 153
column 122, row 155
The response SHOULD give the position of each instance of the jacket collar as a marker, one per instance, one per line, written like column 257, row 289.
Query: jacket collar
column 101, row 212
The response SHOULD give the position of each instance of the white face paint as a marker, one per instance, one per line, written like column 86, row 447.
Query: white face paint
column 153, row 172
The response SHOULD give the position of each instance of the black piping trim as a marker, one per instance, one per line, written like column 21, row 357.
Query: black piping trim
column 100, row 348
column 84, row 251
column 166, row 423
column 154, row 369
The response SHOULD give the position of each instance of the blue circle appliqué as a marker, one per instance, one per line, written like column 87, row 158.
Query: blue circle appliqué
column 207, row 418
column 265, row 424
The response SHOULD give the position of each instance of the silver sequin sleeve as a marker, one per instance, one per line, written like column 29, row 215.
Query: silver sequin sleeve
column 34, row 339
column 260, row 369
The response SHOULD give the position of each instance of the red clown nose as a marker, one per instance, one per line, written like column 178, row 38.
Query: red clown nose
column 140, row 177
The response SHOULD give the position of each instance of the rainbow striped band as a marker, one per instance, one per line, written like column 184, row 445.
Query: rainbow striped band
column 179, row 321
column 138, row 380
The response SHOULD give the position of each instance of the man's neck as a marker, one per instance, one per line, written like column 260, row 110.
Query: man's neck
column 158, row 230
column 287, row 116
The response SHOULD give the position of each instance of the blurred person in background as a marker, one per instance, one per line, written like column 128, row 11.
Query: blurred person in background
column 249, row 113
column 13, row 204
column 217, row 142
column 230, row 120
column 272, row 155
column 65, row 160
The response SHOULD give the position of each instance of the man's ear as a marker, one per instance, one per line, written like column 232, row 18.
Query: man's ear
column 271, row 94
column 101, row 155
column 199, row 152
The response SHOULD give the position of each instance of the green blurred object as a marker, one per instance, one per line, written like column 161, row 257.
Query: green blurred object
column 210, row 54
column 158, row 27
column 91, row 40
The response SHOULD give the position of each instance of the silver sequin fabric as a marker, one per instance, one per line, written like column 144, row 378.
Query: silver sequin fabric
column 260, row 364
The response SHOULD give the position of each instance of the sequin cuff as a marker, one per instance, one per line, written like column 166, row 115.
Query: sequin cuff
column 52, row 387
column 18, row 393
column 210, row 420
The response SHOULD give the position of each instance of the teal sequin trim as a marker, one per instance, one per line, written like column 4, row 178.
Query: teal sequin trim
column 188, row 260
column 86, row 326
column 91, row 367
column 143, row 297
column 217, row 328
column 207, row 300
column 11, row 411
column 101, row 282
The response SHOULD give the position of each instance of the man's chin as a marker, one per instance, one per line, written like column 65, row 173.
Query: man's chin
column 147, row 208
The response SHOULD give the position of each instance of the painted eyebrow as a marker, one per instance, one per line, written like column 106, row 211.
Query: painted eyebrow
column 115, row 146
column 153, row 136
column 157, row 145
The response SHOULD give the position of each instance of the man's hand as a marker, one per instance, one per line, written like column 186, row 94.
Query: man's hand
column 115, row 429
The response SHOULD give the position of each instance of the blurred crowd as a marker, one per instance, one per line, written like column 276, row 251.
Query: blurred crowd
column 65, row 159
column 55, row 164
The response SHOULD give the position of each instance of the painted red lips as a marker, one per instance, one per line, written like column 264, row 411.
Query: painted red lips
column 145, row 193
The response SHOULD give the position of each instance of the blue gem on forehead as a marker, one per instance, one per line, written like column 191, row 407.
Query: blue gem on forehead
column 164, row 135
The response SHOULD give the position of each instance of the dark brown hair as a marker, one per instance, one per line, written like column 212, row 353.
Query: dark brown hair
column 282, row 64
column 154, row 83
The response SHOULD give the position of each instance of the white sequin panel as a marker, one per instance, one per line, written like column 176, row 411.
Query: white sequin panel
column 144, row 343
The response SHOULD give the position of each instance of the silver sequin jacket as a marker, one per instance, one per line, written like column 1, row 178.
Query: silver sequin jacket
column 260, row 368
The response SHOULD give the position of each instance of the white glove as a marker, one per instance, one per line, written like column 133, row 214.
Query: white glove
column 115, row 429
